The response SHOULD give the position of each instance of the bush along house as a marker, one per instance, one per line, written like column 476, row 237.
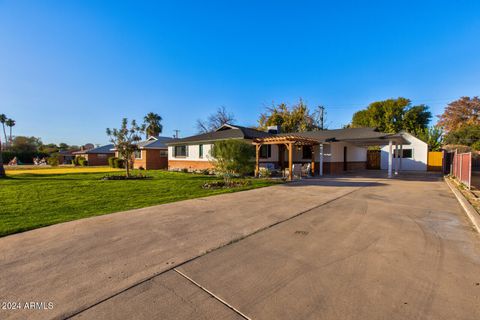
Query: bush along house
column 321, row 152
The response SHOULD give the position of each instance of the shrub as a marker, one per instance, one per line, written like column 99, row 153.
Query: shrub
column 75, row 161
column 81, row 161
column 265, row 172
column 118, row 163
column 53, row 161
column 232, row 158
column 111, row 162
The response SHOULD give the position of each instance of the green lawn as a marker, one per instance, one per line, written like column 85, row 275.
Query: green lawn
column 29, row 201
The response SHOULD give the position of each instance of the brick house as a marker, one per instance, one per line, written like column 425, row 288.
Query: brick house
column 96, row 156
column 152, row 154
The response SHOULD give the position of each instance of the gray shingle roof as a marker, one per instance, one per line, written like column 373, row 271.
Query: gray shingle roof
column 155, row 143
column 225, row 132
column 344, row 134
column 239, row 132
column 103, row 149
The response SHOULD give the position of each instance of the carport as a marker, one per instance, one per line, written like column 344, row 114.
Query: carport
column 289, row 141
column 395, row 144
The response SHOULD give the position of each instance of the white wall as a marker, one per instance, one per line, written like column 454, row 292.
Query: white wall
column 332, row 153
column 419, row 159
column 193, row 153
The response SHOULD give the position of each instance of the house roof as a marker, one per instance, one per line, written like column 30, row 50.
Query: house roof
column 359, row 136
column 154, row 143
column 227, row 131
column 342, row 134
column 103, row 149
column 362, row 136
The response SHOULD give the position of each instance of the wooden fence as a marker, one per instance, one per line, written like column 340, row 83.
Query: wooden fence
column 462, row 168
column 435, row 160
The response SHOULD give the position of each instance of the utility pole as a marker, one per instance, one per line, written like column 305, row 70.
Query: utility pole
column 176, row 133
column 321, row 113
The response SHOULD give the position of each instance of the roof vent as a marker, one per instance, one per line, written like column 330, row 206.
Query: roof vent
column 273, row 129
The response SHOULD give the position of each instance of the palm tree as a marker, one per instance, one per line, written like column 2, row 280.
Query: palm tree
column 153, row 125
column 3, row 119
column 10, row 123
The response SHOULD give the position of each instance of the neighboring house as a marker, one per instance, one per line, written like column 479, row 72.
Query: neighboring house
column 65, row 156
column 327, row 151
column 96, row 156
column 412, row 157
column 152, row 154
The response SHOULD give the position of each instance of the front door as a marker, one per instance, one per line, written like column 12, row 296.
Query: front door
column 345, row 158
column 373, row 159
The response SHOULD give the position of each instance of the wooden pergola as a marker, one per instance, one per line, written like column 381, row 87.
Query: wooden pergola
column 287, row 141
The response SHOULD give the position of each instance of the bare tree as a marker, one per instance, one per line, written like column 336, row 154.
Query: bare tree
column 215, row 120
column 125, row 139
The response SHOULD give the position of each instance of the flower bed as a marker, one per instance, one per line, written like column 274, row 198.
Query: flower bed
column 225, row 185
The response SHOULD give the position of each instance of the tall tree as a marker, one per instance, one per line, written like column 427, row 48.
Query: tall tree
column 3, row 119
column 393, row 115
column 215, row 120
column 433, row 136
column 153, row 125
column 26, row 144
column 125, row 139
column 296, row 118
column 466, row 135
column 464, row 111
column 10, row 123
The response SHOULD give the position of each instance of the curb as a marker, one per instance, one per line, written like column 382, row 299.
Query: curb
column 467, row 207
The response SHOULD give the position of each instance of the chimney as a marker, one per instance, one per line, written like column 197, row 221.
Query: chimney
column 273, row 129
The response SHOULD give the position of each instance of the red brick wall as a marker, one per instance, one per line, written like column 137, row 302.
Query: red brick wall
column 191, row 165
column 151, row 160
column 95, row 159
column 328, row 167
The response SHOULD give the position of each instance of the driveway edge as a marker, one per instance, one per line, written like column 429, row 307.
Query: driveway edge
column 467, row 207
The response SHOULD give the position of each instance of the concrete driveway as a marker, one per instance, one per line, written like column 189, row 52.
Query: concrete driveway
column 349, row 248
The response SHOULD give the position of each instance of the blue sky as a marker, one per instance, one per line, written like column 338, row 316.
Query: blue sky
column 69, row 69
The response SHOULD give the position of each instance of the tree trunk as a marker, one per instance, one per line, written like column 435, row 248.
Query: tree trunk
column 127, row 165
column 2, row 169
column 11, row 141
column 5, row 134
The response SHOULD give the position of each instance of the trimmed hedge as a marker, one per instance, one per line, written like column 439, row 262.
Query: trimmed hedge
column 23, row 157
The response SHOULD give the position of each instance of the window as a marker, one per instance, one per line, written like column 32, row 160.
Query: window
column 200, row 151
column 163, row 153
column 266, row 151
column 102, row 156
column 181, row 151
column 307, row 152
column 407, row 153
column 138, row 154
